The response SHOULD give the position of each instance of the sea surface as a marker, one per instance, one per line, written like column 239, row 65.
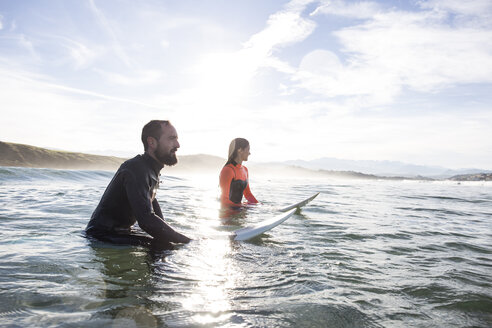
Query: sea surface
column 362, row 254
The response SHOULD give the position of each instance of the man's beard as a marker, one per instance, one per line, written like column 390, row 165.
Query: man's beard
column 167, row 159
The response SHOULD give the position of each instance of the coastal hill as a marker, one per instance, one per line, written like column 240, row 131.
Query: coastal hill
column 13, row 154
column 472, row 177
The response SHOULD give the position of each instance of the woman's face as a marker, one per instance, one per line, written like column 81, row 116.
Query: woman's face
column 243, row 153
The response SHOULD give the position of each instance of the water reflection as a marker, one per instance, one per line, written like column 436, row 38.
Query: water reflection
column 215, row 275
column 193, row 285
column 232, row 216
column 127, row 275
column 227, row 213
column 205, row 296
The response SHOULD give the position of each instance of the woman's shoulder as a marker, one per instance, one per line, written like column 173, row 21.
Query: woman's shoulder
column 228, row 168
column 234, row 168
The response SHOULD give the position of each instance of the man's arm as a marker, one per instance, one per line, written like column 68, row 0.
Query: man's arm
column 143, row 208
column 157, row 208
column 158, row 212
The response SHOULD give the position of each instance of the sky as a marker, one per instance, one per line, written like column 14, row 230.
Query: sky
column 406, row 81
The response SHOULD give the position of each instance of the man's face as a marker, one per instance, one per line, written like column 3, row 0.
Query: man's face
column 167, row 145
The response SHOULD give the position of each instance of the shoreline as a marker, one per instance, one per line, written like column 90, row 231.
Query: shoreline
column 20, row 155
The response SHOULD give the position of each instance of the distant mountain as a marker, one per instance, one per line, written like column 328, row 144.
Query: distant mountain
column 384, row 168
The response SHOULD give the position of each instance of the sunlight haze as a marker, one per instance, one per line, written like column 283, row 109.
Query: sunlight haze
column 406, row 81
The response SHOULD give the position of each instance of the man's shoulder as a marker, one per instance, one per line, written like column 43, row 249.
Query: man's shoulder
column 136, row 165
column 132, row 162
column 135, row 168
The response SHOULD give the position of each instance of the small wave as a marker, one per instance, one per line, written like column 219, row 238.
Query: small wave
column 433, row 248
column 455, row 199
column 447, row 198
column 441, row 211
column 16, row 312
column 356, row 236
column 327, row 315
column 480, row 303
column 434, row 291
column 468, row 247
column 399, row 250
column 25, row 174
column 405, row 236
column 172, row 178
column 455, row 259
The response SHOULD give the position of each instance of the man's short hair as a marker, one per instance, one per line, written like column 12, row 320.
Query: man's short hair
column 152, row 129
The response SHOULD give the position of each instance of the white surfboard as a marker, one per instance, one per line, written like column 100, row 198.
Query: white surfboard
column 250, row 232
column 299, row 204
column 253, row 231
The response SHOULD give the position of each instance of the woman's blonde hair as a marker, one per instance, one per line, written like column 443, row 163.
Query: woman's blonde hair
column 234, row 146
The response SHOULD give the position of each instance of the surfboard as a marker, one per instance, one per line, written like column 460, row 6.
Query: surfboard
column 253, row 231
column 299, row 204
column 250, row 232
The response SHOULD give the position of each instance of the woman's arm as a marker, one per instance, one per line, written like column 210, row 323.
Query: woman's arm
column 247, row 192
column 226, row 176
column 249, row 196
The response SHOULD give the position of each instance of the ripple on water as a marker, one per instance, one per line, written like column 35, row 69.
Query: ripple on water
column 365, row 254
column 470, row 303
column 462, row 246
column 325, row 315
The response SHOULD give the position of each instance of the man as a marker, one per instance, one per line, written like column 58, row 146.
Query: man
column 130, row 196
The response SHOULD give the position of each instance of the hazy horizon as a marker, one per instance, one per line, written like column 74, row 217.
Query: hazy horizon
column 405, row 81
column 286, row 162
column 129, row 155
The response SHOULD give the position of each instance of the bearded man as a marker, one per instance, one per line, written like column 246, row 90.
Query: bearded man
column 130, row 196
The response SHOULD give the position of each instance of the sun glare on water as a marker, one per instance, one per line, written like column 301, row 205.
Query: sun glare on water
column 208, row 260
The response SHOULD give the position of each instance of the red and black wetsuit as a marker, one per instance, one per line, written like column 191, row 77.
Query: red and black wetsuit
column 234, row 184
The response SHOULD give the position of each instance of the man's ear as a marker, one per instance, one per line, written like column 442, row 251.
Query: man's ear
column 151, row 142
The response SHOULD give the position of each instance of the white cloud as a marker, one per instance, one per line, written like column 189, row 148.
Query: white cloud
column 1, row 22
column 57, row 116
column 221, row 79
column 164, row 44
column 420, row 52
column 283, row 28
column 479, row 8
column 395, row 50
column 362, row 9
column 81, row 55
column 135, row 78
column 318, row 129
column 26, row 44
column 24, row 81
column 294, row 91
column 118, row 49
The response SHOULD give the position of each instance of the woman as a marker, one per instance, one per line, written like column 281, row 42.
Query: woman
column 234, row 176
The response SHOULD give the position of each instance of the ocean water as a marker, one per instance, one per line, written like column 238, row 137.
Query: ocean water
column 362, row 254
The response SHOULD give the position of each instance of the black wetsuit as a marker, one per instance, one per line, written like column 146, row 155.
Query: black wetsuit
column 130, row 197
